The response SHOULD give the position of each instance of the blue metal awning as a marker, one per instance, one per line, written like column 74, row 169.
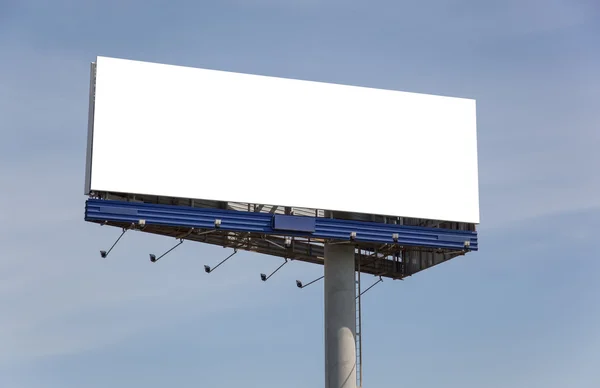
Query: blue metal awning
column 99, row 210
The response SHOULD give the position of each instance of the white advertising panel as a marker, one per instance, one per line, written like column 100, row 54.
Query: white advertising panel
column 204, row 134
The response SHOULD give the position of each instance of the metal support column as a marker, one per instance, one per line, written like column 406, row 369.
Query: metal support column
column 358, row 329
column 340, row 316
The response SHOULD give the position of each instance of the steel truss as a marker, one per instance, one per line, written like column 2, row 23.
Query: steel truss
column 388, row 250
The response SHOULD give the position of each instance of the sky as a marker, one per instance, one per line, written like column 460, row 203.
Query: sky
column 521, row 312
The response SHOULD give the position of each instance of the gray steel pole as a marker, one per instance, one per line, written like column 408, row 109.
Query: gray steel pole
column 340, row 317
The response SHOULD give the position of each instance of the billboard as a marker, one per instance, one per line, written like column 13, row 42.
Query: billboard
column 184, row 132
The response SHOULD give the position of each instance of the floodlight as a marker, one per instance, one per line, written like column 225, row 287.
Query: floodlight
column 153, row 258
column 207, row 269
column 103, row 254
column 263, row 277
column 299, row 283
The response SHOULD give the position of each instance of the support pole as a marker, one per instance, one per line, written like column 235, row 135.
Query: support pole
column 340, row 317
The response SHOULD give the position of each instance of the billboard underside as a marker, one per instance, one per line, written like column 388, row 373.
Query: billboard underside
column 183, row 132
column 393, row 251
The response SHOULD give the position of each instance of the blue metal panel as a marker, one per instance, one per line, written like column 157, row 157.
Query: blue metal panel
column 294, row 223
column 119, row 210
column 98, row 210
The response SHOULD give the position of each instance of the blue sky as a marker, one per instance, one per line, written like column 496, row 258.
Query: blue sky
column 522, row 312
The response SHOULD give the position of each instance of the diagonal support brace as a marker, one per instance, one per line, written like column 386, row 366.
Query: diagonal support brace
column 371, row 286
column 153, row 257
column 264, row 277
column 104, row 254
column 300, row 285
column 208, row 269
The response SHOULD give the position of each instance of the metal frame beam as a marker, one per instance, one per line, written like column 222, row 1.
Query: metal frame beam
column 356, row 232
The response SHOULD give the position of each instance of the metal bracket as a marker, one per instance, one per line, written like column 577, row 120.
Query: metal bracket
column 208, row 269
column 467, row 245
column 371, row 286
column 104, row 254
column 181, row 238
column 153, row 257
column 264, row 277
column 300, row 285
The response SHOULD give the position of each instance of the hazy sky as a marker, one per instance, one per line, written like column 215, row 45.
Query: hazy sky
column 522, row 312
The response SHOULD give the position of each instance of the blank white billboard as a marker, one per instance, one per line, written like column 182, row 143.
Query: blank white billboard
column 204, row 134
